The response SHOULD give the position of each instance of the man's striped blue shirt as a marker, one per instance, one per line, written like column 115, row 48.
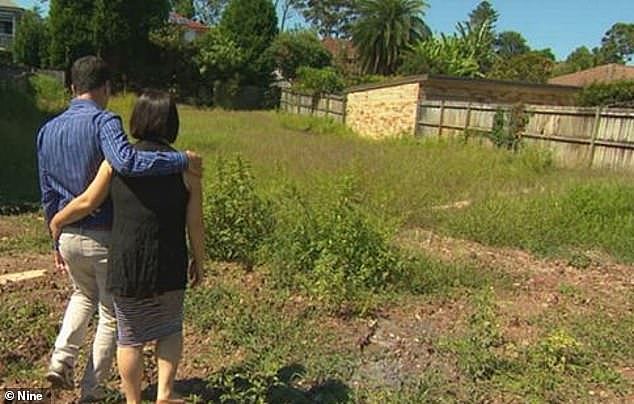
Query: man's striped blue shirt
column 71, row 147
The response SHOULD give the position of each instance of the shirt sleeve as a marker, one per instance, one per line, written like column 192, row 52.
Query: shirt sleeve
column 49, row 197
column 127, row 161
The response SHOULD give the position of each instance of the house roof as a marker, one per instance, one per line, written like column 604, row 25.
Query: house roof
column 9, row 4
column 600, row 74
column 338, row 46
column 178, row 19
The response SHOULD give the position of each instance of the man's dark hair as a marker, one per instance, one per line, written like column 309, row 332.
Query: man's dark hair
column 89, row 73
column 154, row 117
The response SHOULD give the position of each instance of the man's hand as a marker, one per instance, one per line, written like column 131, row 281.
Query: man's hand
column 60, row 264
column 195, row 166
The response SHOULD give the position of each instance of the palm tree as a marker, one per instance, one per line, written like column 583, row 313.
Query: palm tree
column 384, row 29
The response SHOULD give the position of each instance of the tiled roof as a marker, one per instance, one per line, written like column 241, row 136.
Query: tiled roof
column 600, row 74
column 178, row 19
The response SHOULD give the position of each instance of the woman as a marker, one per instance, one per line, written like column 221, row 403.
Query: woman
column 147, row 263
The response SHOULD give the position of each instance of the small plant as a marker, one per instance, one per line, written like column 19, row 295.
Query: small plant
column 559, row 352
column 508, row 127
column 319, row 81
column 476, row 351
column 237, row 219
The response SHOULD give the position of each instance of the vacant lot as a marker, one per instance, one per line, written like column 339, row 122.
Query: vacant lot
column 514, row 278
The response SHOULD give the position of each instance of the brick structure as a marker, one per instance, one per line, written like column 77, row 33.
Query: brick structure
column 390, row 109
column 600, row 74
column 385, row 110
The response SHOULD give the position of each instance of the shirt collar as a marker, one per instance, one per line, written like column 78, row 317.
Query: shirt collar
column 76, row 102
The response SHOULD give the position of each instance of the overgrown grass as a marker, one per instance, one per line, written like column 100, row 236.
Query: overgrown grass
column 23, row 112
column 566, row 222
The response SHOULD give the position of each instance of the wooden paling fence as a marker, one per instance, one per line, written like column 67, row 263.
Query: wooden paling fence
column 327, row 105
column 597, row 137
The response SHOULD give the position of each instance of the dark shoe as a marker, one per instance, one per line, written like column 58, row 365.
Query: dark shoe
column 60, row 376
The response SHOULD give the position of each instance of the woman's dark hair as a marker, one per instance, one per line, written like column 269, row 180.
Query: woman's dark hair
column 154, row 117
column 89, row 73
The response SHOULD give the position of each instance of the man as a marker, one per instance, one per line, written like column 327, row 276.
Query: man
column 70, row 149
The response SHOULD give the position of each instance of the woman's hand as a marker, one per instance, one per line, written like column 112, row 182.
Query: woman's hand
column 194, row 273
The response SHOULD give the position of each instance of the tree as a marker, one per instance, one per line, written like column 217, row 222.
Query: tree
column 510, row 43
column 533, row 66
column 386, row 28
column 483, row 13
column 482, row 22
column 218, row 56
column 617, row 45
column 121, row 31
column 31, row 43
column 184, row 7
column 252, row 26
column 294, row 49
column 331, row 18
column 71, row 31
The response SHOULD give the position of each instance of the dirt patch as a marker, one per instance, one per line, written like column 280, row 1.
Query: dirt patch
column 21, row 262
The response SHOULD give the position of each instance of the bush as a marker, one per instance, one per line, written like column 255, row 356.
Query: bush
column 620, row 93
column 339, row 251
column 294, row 49
column 319, row 81
column 508, row 127
column 237, row 219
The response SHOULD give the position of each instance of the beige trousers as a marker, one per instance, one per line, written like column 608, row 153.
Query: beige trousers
column 86, row 254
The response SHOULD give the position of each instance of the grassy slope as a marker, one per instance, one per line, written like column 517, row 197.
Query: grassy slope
column 245, row 338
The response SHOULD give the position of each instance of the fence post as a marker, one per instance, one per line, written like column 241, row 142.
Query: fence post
column 442, row 117
column 327, row 106
column 467, row 121
column 345, row 108
column 595, row 133
column 298, row 97
column 419, row 106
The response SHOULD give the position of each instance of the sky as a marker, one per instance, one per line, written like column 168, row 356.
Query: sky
column 561, row 25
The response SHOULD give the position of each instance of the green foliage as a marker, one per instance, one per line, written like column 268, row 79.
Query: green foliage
column 620, row 93
column 508, row 127
column 597, row 216
column 252, row 26
column 319, row 81
column 510, row 43
column 476, row 350
column 218, row 56
column 533, row 67
column 384, row 29
column 448, row 55
column 116, row 30
column 295, row 49
column 183, row 7
column 455, row 55
column 237, row 219
column 25, row 108
column 71, row 31
column 31, row 43
column 338, row 250
column 617, row 45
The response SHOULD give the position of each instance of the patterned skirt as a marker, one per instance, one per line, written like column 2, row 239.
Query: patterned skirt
column 144, row 320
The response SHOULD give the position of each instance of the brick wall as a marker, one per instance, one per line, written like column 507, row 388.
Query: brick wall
column 383, row 112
